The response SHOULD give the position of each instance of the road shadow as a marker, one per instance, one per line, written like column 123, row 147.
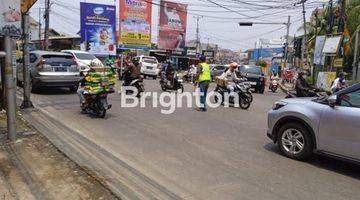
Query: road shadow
column 339, row 166
column 53, row 91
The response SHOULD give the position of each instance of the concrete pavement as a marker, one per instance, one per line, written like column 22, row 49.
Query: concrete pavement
column 221, row 154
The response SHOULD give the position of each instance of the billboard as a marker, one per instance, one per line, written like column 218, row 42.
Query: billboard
column 98, row 28
column 319, row 57
column 172, row 30
column 10, row 18
column 135, row 24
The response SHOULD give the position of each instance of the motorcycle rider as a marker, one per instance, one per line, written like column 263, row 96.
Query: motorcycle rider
column 274, row 76
column 168, row 73
column 339, row 83
column 231, row 77
column 302, row 87
column 132, row 71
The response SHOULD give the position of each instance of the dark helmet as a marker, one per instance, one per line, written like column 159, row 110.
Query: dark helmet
column 135, row 60
column 341, row 74
column 202, row 58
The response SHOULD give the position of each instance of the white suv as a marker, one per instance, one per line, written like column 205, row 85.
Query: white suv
column 83, row 59
column 149, row 66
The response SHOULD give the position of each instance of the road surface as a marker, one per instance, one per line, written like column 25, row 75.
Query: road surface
column 221, row 154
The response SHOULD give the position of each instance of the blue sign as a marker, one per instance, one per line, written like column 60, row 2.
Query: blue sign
column 267, row 53
column 98, row 28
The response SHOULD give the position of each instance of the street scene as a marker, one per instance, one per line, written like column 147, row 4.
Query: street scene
column 155, row 99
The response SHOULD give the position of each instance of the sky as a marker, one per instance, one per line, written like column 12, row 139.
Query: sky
column 218, row 23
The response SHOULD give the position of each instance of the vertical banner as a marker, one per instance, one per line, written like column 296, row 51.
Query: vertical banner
column 98, row 28
column 10, row 18
column 172, row 31
column 319, row 57
column 135, row 24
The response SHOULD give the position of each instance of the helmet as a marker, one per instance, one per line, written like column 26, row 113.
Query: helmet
column 135, row 60
column 202, row 58
column 233, row 65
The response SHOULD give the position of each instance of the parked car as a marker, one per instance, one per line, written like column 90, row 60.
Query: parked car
column 254, row 76
column 217, row 70
column 325, row 125
column 83, row 59
column 149, row 66
column 51, row 69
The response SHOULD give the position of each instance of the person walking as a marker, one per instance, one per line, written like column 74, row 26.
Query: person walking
column 204, row 78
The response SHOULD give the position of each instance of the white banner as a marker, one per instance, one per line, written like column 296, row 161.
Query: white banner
column 10, row 18
column 319, row 57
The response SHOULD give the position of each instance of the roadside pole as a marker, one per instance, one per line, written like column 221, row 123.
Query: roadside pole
column 26, row 63
column 10, row 88
column 356, row 68
column 286, row 53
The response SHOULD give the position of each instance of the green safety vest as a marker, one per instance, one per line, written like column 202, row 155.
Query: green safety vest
column 205, row 75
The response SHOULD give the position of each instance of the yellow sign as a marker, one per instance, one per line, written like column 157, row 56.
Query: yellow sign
column 26, row 5
column 338, row 62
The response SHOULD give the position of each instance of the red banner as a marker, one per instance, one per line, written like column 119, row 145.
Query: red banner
column 135, row 23
column 172, row 31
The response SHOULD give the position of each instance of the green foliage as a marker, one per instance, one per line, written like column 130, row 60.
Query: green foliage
column 262, row 63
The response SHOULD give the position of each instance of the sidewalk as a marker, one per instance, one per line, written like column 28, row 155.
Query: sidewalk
column 32, row 168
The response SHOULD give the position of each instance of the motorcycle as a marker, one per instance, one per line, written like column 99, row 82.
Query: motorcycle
column 138, row 84
column 244, row 98
column 96, row 104
column 176, row 84
column 246, row 86
column 274, row 84
column 310, row 93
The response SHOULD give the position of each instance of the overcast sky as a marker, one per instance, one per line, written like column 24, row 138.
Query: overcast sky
column 219, row 22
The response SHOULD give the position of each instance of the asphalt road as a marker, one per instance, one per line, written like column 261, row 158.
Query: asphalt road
column 221, row 154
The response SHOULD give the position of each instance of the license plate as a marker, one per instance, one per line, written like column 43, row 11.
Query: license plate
column 149, row 68
column 60, row 69
column 253, row 83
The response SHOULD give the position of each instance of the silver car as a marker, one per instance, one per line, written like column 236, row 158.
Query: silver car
column 327, row 125
column 51, row 69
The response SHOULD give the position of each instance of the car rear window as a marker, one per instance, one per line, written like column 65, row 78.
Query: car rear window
column 149, row 60
column 85, row 56
column 55, row 60
column 251, row 70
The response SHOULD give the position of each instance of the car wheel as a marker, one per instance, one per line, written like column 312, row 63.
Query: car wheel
column 294, row 141
column 74, row 88
column 33, row 87
column 145, row 76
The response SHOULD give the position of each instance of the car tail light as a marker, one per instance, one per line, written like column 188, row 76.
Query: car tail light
column 41, row 64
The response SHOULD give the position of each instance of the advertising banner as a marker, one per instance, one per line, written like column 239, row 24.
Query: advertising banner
column 135, row 24
column 319, row 57
column 98, row 28
column 172, row 31
column 10, row 18
column 325, row 79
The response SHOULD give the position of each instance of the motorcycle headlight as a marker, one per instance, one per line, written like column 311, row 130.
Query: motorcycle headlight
column 279, row 104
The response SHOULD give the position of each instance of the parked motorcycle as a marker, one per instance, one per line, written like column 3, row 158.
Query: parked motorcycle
column 244, row 98
column 310, row 93
column 96, row 104
column 274, row 84
column 176, row 84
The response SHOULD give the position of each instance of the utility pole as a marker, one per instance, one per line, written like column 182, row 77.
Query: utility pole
column 47, row 23
column 356, row 64
column 286, row 53
column 8, row 54
column 330, row 18
column 198, row 44
column 26, row 62
column 303, row 46
column 40, row 41
column 342, row 16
